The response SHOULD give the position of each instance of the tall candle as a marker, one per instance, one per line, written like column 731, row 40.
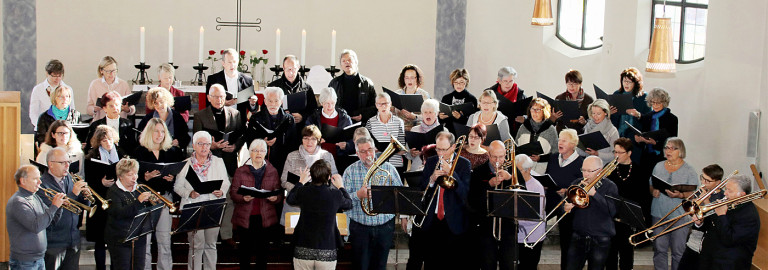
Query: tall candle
column 141, row 45
column 277, row 45
column 333, row 48
column 303, row 47
column 200, row 52
column 170, row 44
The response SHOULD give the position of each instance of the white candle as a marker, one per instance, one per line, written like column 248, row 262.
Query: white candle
column 333, row 48
column 141, row 45
column 200, row 53
column 170, row 44
column 277, row 45
column 303, row 47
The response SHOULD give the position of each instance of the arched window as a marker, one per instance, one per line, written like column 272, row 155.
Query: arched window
column 580, row 23
column 689, row 22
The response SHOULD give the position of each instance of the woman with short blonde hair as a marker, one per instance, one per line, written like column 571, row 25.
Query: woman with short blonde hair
column 163, row 103
column 489, row 115
column 61, row 109
column 107, row 81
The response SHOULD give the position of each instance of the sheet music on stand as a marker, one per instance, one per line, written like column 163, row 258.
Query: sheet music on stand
column 628, row 212
column 143, row 223
column 514, row 203
column 201, row 215
column 397, row 200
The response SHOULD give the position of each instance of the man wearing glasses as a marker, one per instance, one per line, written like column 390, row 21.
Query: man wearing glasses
column 63, row 236
column 592, row 226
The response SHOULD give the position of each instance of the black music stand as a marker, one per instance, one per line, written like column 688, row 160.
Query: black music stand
column 142, row 224
column 515, row 204
column 628, row 212
column 397, row 200
column 200, row 216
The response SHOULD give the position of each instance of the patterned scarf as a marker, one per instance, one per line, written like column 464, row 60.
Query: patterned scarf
column 201, row 168
column 579, row 96
column 655, row 126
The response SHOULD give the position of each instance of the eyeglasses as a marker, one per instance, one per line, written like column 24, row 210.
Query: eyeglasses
column 66, row 133
column 382, row 103
column 536, row 109
column 258, row 151
column 589, row 171
column 218, row 97
column 442, row 149
column 619, row 152
column 701, row 176
column 572, row 84
column 65, row 163
column 109, row 71
column 474, row 137
column 203, row 144
column 652, row 102
column 460, row 82
column 369, row 151
column 670, row 148
column 487, row 103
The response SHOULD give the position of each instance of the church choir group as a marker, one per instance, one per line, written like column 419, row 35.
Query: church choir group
column 321, row 176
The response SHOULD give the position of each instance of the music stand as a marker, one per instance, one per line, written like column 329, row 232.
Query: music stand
column 397, row 200
column 200, row 216
column 515, row 204
column 628, row 212
column 142, row 224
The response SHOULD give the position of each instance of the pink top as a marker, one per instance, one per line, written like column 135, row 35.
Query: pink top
column 98, row 88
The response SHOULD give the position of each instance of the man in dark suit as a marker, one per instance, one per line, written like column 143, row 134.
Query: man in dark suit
column 291, row 83
column 63, row 236
column 283, row 137
column 232, row 80
column 730, row 237
column 218, row 120
column 356, row 93
column 445, row 223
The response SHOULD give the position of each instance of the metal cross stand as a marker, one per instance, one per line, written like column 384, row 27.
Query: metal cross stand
column 238, row 24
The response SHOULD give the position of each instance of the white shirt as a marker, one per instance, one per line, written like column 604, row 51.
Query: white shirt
column 567, row 161
column 232, row 85
column 114, row 123
column 329, row 116
column 110, row 87
column 39, row 101
column 121, row 187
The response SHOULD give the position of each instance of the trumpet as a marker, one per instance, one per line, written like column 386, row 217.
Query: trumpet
column 691, row 207
column 444, row 181
column 394, row 146
column 69, row 204
column 91, row 195
column 575, row 194
column 156, row 197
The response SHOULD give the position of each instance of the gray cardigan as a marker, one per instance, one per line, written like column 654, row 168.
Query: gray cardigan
column 27, row 217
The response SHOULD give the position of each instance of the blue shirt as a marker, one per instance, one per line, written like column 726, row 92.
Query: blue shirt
column 353, row 180
column 686, row 174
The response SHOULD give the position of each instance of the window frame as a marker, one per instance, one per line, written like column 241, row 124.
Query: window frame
column 683, row 4
column 583, row 26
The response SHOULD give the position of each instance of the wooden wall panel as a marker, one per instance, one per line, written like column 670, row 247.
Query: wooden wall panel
column 10, row 131
column 760, row 258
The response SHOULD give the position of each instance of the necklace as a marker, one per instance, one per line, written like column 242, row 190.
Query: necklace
column 488, row 121
column 673, row 165
column 624, row 178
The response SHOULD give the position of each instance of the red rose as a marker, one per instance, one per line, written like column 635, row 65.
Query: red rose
column 264, row 51
column 222, row 52
column 242, row 52
column 211, row 52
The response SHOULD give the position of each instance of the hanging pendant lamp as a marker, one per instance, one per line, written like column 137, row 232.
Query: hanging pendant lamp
column 542, row 13
column 661, row 56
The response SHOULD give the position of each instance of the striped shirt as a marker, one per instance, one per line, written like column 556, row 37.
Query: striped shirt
column 382, row 131
column 353, row 180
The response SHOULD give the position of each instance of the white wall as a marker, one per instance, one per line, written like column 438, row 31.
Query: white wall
column 712, row 98
column 386, row 34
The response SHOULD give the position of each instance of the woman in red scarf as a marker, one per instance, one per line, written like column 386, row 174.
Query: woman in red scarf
column 507, row 87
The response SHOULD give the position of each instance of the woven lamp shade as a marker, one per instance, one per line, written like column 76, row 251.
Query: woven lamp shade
column 661, row 56
column 542, row 13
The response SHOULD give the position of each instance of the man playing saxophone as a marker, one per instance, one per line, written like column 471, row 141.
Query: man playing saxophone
column 371, row 236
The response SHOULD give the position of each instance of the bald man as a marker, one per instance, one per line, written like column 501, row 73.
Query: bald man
column 593, row 225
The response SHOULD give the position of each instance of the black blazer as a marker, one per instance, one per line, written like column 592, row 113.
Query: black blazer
column 128, row 136
column 180, row 132
column 366, row 96
column 205, row 120
column 317, row 226
column 124, row 206
column 730, row 240
column 455, row 199
column 95, row 229
column 668, row 121
column 160, row 185
column 302, row 86
column 244, row 81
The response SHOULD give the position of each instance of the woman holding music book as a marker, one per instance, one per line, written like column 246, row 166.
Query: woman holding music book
column 573, row 91
column 460, row 95
column 107, row 82
column 538, row 128
column 631, row 81
column 674, row 170
column 316, row 235
column 202, row 167
column 60, row 134
column 307, row 154
column 386, row 125
column 254, row 217
column 177, row 127
column 429, row 110
column 599, row 121
column 659, row 120
column 104, row 152
column 125, row 203
column 473, row 150
column 489, row 114
column 155, row 147
column 111, row 104
column 410, row 81
column 330, row 115
column 60, row 109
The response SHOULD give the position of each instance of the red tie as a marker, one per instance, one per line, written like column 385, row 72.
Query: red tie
column 440, row 207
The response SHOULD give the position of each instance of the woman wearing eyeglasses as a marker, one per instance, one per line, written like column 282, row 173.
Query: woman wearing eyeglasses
column 674, row 170
column 631, row 84
column 253, row 217
column 660, row 120
column 573, row 91
column 60, row 109
column 537, row 127
column 710, row 177
column 107, row 82
column 163, row 103
column 60, row 134
column 489, row 115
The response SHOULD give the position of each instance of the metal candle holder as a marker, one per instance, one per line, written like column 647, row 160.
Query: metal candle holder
column 333, row 70
column 199, row 76
column 141, row 76
column 303, row 70
column 276, row 69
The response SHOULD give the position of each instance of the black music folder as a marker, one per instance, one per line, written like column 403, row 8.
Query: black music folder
column 182, row 103
column 202, row 187
column 662, row 185
column 258, row 131
column 408, row 102
column 380, row 146
column 40, row 167
column 130, row 99
column 230, row 137
column 460, row 129
column 257, row 193
column 465, row 108
column 547, row 181
column 74, row 167
column 514, row 203
column 570, row 108
column 622, row 101
column 333, row 134
column 97, row 169
column 412, row 179
column 418, row 140
column 143, row 223
column 293, row 178
column 657, row 135
column 629, row 212
column 594, row 141
column 492, row 134
column 201, row 215
column 397, row 200
column 172, row 168
column 81, row 131
column 530, row 149
column 296, row 102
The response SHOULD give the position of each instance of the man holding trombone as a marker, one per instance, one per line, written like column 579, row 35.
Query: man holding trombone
column 63, row 236
column 592, row 225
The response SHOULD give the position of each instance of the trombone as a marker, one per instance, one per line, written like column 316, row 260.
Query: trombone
column 575, row 194
column 91, row 195
column 156, row 197
column 692, row 206
column 444, row 181
column 509, row 161
column 394, row 146
column 69, row 204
